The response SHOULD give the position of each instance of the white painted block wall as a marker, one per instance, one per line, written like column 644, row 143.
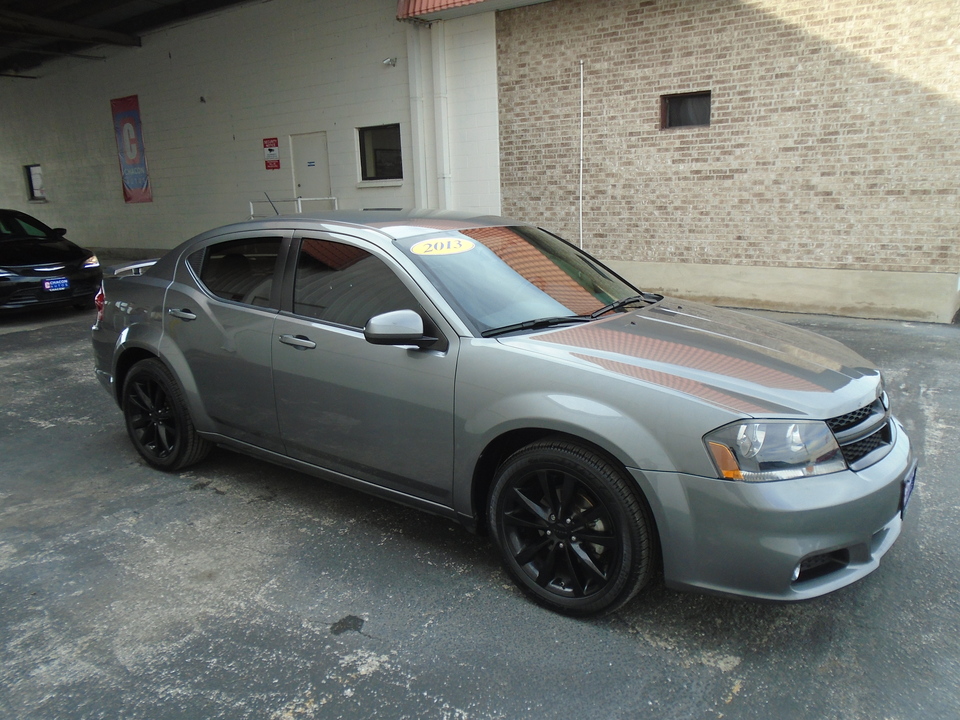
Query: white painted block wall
column 262, row 70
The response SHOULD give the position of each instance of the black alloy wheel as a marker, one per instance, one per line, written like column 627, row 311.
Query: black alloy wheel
column 571, row 530
column 157, row 418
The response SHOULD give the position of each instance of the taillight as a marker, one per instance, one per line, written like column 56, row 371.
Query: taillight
column 100, row 300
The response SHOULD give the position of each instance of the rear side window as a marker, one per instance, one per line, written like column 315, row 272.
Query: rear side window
column 345, row 285
column 239, row 270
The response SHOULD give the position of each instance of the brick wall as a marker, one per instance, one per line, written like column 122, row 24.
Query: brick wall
column 834, row 139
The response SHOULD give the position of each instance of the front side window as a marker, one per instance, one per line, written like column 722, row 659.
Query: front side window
column 239, row 270
column 345, row 285
column 380, row 157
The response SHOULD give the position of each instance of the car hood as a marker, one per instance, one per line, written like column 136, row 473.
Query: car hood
column 729, row 359
column 38, row 251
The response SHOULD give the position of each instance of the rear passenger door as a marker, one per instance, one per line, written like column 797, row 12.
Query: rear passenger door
column 219, row 314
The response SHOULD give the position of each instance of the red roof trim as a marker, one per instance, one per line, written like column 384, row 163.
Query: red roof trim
column 415, row 8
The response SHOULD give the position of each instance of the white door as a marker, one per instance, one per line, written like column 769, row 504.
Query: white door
column 311, row 169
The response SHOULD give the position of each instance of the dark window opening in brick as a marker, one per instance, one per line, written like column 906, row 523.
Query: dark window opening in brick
column 686, row 110
column 380, row 157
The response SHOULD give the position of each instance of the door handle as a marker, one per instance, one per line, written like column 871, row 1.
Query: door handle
column 182, row 314
column 298, row 341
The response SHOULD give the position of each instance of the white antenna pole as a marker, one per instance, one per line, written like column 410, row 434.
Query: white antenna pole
column 581, row 156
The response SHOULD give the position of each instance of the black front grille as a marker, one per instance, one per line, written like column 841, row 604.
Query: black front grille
column 851, row 419
column 864, row 435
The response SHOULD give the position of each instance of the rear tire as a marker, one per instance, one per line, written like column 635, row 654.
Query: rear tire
column 157, row 418
column 572, row 531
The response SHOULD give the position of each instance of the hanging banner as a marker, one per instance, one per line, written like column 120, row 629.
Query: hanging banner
column 133, row 162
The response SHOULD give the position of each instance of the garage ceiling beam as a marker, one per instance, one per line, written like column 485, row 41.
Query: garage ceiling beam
column 18, row 23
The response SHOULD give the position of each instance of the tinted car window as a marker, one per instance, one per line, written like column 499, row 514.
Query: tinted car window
column 239, row 270
column 501, row 275
column 16, row 225
column 345, row 285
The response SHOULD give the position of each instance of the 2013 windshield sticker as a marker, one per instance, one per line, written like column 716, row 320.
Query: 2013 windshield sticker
column 442, row 246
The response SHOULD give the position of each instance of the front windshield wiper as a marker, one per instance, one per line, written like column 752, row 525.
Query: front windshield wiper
column 535, row 324
column 644, row 297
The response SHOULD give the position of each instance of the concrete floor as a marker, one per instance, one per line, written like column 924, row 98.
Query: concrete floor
column 241, row 590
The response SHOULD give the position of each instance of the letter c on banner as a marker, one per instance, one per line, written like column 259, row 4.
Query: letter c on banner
column 130, row 147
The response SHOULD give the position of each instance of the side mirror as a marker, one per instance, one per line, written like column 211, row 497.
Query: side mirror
column 400, row 327
column 60, row 231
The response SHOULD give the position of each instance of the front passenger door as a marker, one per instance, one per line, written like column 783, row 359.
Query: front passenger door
column 381, row 414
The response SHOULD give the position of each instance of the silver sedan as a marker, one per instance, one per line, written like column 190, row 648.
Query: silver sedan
column 490, row 372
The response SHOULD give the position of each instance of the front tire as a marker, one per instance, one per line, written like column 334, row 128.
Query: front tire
column 157, row 418
column 573, row 533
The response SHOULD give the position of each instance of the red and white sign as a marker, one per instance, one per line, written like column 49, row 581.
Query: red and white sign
column 271, row 153
column 133, row 164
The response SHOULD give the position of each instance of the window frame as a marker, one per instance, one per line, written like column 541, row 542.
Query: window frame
column 273, row 302
column 665, row 101
column 368, row 178
column 35, row 190
column 435, row 323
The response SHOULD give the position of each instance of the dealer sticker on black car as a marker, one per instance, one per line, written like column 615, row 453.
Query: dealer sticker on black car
column 53, row 284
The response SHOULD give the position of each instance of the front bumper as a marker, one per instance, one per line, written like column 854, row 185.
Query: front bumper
column 748, row 539
column 27, row 291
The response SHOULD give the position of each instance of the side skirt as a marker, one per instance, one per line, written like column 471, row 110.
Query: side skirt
column 336, row 477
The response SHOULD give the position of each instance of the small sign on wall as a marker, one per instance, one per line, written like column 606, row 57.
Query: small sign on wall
column 271, row 153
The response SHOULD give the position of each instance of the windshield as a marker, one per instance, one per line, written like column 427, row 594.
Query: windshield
column 18, row 225
column 500, row 276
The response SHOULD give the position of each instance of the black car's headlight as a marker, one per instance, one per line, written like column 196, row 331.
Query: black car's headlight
column 91, row 262
column 765, row 450
column 6, row 273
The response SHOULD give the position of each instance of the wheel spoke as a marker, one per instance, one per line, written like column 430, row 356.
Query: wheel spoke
column 604, row 540
column 587, row 563
column 535, row 508
column 546, row 491
column 515, row 520
column 166, row 437
column 566, row 495
column 140, row 398
column 547, row 571
column 530, row 551
column 570, row 555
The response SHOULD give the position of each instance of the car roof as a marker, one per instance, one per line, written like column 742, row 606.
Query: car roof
column 391, row 223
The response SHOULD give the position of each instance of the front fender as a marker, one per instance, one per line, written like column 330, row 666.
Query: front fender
column 501, row 390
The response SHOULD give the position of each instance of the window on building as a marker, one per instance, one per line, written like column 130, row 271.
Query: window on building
column 685, row 110
column 380, row 157
column 35, row 191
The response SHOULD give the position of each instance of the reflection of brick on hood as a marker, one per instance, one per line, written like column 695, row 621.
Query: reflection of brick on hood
column 682, row 384
column 536, row 267
column 631, row 344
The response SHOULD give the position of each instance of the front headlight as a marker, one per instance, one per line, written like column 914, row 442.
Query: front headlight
column 6, row 273
column 91, row 262
column 761, row 451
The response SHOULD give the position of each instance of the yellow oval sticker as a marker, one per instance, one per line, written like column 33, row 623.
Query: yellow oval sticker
column 442, row 246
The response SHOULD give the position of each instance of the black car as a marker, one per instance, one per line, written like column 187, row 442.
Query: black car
column 39, row 266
